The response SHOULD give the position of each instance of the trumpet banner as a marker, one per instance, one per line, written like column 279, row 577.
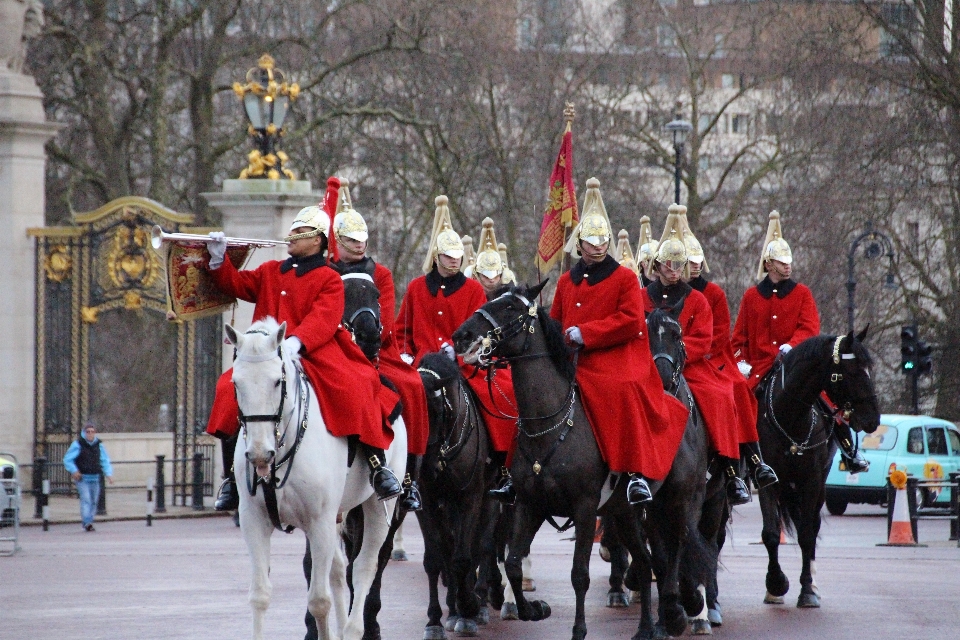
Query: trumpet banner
column 191, row 292
column 561, row 211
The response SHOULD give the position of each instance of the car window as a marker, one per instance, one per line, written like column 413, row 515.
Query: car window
column 936, row 441
column 954, row 442
column 915, row 440
column 883, row 439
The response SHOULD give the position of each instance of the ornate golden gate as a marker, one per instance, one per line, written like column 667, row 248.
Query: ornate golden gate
column 104, row 349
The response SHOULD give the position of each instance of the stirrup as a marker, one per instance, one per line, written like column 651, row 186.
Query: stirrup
column 638, row 491
column 505, row 493
column 411, row 500
column 384, row 482
column 763, row 474
column 227, row 497
column 854, row 464
column 737, row 492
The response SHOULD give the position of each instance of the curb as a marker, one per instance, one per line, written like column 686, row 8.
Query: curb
column 32, row 522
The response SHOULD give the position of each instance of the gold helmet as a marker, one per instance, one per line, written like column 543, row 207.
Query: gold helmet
column 694, row 249
column 594, row 224
column 774, row 246
column 347, row 223
column 671, row 248
column 489, row 262
column 313, row 217
column 647, row 249
column 624, row 254
column 444, row 240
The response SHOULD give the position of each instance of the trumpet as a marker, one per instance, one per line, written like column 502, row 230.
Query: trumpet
column 159, row 236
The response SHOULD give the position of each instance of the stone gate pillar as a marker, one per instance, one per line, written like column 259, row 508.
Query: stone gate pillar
column 23, row 132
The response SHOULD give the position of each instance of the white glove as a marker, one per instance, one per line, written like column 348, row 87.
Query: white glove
column 448, row 351
column 291, row 345
column 406, row 357
column 574, row 336
column 744, row 368
column 217, row 247
column 785, row 349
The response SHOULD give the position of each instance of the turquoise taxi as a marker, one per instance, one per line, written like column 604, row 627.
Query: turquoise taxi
column 925, row 447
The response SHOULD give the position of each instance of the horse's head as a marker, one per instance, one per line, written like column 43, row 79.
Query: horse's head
column 260, row 382
column 666, row 344
column 500, row 327
column 849, row 384
column 361, row 312
column 437, row 372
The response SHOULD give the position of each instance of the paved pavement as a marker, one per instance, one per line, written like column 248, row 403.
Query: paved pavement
column 188, row 578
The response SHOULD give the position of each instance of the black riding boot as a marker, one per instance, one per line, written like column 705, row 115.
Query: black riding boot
column 737, row 492
column 227, row 498
column 411, row 500
column 763, row 475
column 638, row 491
column 504, row 491
column 851, row 458
column 382, row 479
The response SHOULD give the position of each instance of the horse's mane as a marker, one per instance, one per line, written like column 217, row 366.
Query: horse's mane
column 441, row 365
column 556, row 346
column 813, row 348
column 658, row 318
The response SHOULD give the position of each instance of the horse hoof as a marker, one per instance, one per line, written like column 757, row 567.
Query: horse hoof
column 451, row 623
column 528, row 584
column 713, row 615
column 617, row 600
column 541, row 610
column 483, row 617
column 509, row 611
column 434, row 633
column 399, row 555
column 700, row 628
column 466, row 628
column 808, row 601
column 777, row 585
column 772, row 599
column 660, row 633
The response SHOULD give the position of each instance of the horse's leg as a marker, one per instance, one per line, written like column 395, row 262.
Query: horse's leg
column 525, row 526
column 371, row 608
column 807, row 531
column 323, row 546
column 585, row 518
column 713, row 587
column 338, row 585
column 308, row 619
column 432, row 566
column 666, row 547
column 487, row 560
column 256, row 528
column 777, row 582
column 399, row 553
column 466, row 551
column 528, row 582
column 375, row 528
column 616, row 596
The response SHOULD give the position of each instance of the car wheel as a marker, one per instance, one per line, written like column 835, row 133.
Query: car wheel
column 836, row 506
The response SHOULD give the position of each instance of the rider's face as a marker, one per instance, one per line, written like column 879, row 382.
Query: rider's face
column 778, row 270
column 448, row 266
column 489, row 284
column 695, row 269
column 303, row 247
column 592, row 253
column 670, row 272
column 351, row 250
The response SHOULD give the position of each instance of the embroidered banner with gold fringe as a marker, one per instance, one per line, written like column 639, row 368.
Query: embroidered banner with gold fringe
column 191, row 292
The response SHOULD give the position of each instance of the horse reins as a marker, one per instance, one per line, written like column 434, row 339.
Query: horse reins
column 450, row 452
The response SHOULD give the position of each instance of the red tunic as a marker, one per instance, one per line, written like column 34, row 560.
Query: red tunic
column 772, row 315
column 352, row 400
column 713, row 393
column 426, row 321
column 402, row 375
column 637, row 425
column 721, row 357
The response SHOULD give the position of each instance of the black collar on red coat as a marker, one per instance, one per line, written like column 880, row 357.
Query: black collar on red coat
column 671, row 298
column 594, row 273
column 303, row 265
column 365, row 265
column 782, row 288
column 699, row 283
column 450, row 284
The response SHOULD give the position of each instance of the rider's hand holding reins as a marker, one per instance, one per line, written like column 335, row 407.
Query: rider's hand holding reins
column 574, row 337
column 744, row 368
column 292, row 345
column 785, row 349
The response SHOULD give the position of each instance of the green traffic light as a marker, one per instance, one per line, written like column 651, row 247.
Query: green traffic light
column 908, row 365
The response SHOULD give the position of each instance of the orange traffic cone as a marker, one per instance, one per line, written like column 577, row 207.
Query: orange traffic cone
column 598, row 533
column 901, row 530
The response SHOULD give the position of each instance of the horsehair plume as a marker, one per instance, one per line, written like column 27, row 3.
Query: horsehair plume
column 774, row 231
column 329, row 206
column 343, row 197
column 441, row 220
column 438, row 363
column 592, row 204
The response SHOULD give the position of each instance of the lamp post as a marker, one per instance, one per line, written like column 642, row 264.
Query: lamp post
column 679, row 128
column 266, row 97
column 878, row 244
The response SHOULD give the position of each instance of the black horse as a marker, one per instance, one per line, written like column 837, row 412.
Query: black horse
column 558, row 469
column 361, row 316
column 691, row 536
column 796, row 428
column 453, row 481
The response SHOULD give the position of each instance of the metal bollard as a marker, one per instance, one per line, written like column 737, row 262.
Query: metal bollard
column 198, row 481
column 102, row 500
column 955, row 507
column 44, row 500
column 159, row 504
column 150, row 502
column 912, row 503
column 39, row 471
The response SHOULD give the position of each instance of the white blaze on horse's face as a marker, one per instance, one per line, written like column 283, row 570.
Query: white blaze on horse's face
column 257, row 378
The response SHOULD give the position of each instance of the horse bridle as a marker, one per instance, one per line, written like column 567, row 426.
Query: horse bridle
column 348, row 324
column 836, row 382
column 450, row 452
column 676, row 365
column 492, row 339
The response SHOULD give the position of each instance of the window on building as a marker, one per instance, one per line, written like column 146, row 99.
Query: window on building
column 666, row 37
column 740, row 123
column 703, row 122
column 727, row 81
column 704, row 163
column 902, row 20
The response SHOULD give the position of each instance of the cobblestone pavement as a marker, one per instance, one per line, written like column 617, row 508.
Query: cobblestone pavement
column 187, row 578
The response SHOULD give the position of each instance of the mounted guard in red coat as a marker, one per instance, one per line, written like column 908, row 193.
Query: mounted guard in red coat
column 712, row 392
column 350, row 231
column 777, row 315
column 307, row 294
column 721, row 358
column 599, row 305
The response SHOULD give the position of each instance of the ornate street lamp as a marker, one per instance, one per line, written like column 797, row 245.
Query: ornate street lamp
column 878, row 244
column 679, row 128
column 266, row 97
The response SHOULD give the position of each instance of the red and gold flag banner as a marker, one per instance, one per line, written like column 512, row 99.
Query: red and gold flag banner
column 561, row 211
column 191, row 291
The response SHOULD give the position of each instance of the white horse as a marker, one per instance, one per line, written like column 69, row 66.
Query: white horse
column 280, row 417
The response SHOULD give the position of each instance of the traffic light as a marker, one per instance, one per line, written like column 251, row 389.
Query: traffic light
column 908, row 348
column 924, row 358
